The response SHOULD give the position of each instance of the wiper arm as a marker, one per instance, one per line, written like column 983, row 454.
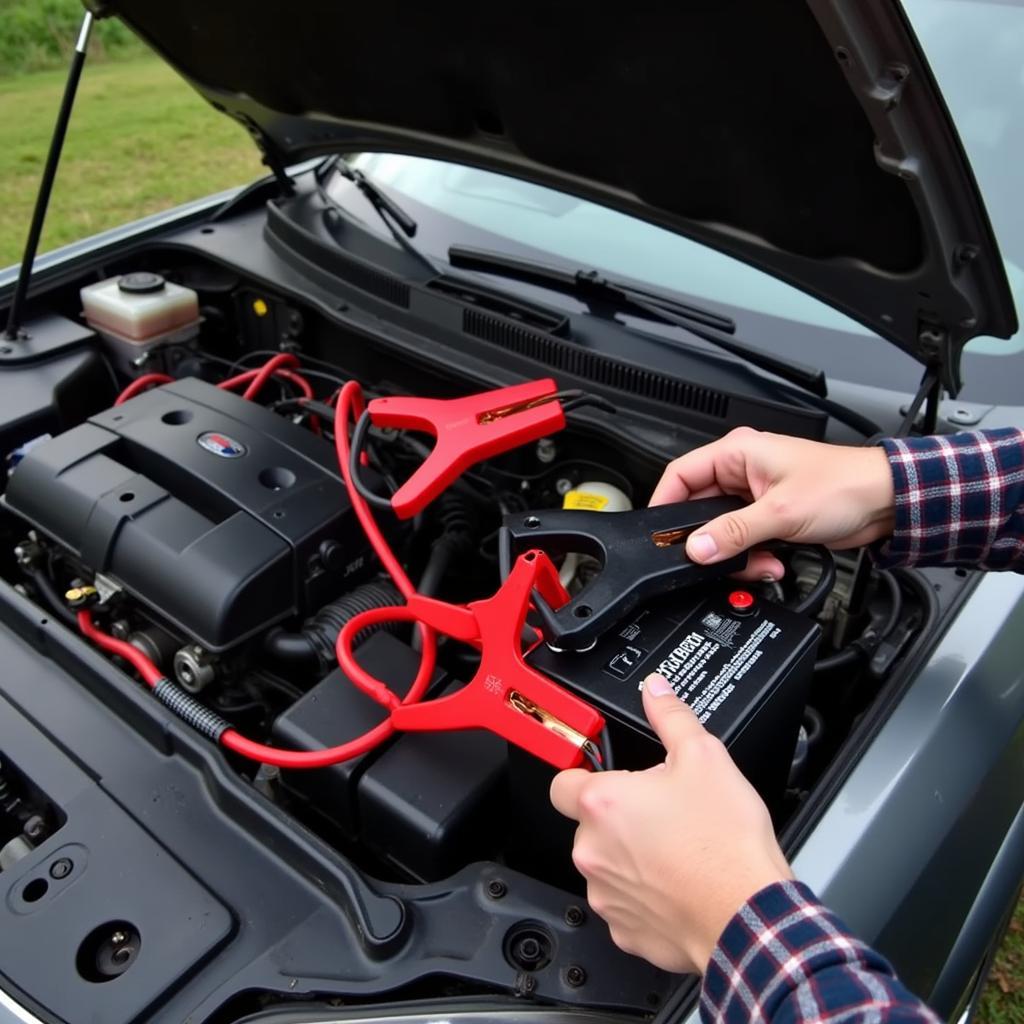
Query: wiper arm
column 378, row 199
column 605, row 297
column 397, row 221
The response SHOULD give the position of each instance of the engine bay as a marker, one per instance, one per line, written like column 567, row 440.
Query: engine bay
column 182, row 500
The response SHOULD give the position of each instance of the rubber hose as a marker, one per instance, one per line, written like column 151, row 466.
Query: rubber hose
column 314, row 643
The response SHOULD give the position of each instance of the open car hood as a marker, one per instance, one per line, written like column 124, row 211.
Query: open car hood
column 806, row 138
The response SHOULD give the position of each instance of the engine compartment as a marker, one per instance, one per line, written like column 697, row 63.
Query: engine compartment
column 214, row 534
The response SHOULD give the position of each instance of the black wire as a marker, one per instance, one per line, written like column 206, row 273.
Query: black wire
column 812, row 603
column 583, row 399
column 335, row 377
column 604, row 744
column 358, row 441
column 867, row 641
column 48, row 592
column 896, row 608
column 590, row 753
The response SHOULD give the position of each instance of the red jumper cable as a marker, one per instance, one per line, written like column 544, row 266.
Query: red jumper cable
column 505, row 696
column 466, row 431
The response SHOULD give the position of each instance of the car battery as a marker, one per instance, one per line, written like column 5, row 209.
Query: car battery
column 743, row 664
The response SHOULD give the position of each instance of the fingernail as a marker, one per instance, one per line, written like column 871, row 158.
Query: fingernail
column 702, row 546
column 658, row 686
column 767, row 578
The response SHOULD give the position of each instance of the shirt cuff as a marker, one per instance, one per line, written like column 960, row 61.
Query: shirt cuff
column 773, row 945
column 959, row 500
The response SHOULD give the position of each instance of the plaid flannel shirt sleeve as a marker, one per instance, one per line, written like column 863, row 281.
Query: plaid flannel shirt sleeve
column 959, row 500
column 786, row 959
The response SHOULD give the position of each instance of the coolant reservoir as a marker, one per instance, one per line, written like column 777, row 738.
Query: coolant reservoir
column 140, row 307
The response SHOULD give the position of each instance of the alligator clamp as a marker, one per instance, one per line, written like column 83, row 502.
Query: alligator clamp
column 642, row 556
column 468, row 430
column 505, row 696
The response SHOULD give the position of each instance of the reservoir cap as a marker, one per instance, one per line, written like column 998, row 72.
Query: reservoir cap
column 141, row 282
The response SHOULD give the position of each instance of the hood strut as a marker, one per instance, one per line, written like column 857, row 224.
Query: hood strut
column 13, row 331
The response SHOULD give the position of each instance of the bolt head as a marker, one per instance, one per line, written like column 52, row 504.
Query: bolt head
column 61, row 868
column 575, row 976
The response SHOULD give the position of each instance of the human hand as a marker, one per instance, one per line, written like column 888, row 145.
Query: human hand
column 800, row 491
column 671, row 853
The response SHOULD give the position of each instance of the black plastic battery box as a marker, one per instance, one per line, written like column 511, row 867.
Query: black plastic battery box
column 426, row 803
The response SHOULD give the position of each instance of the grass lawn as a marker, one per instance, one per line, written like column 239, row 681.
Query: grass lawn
column 1003, row 1002
column 140, row 140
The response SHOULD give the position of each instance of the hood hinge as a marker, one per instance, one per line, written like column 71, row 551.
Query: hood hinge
column 935, row 348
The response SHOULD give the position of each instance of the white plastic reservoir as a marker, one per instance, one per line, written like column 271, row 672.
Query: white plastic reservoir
column 139, row 307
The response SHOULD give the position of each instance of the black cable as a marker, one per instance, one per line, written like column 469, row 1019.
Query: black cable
column 604, row 744
column 592, row 756
column 48, row 592
column 896, row 608
column 358, row 441
column 577, row 398
column 813, row 602
column 866, row 643
column 335, row 377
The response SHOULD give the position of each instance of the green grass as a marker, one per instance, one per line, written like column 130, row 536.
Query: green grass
column 140, row 141
column 37, row 34
column 1003, row 1001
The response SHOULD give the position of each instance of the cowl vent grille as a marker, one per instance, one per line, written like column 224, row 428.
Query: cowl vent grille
column 569, row 358
column 384, row 286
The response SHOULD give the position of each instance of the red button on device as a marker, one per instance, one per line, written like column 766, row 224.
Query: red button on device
column 741, row 600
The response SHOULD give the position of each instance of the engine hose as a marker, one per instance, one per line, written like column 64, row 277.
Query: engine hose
column 458, row 520
column 457, row 540
column 314, row 643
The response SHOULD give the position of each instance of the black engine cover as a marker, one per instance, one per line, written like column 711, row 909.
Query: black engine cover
column 206, row 507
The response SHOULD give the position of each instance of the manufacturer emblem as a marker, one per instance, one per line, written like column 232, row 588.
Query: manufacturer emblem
column 221, row 445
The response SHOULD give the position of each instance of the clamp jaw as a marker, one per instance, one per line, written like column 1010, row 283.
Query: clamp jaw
column 505, row 695
column 467, row 430
column 641, row 553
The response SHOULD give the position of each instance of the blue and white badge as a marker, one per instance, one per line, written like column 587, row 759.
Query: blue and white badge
column 221, row 445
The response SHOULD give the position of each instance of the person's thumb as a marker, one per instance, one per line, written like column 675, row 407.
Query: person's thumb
column 733, row 533
column 670, row 718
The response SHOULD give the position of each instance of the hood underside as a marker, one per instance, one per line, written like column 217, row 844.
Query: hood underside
column 806, row 138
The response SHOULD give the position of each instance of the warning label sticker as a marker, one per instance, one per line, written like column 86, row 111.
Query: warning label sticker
column 704, row 670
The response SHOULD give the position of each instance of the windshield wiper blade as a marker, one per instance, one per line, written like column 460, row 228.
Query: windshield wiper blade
column 605, row 297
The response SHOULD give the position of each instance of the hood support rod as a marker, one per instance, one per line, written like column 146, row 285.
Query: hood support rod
column 13, row 331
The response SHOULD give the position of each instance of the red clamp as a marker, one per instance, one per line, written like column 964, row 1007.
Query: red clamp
column 505, row 696
column 467, row 430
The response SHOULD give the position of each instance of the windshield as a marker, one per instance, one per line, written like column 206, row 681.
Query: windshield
column 987, row 104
